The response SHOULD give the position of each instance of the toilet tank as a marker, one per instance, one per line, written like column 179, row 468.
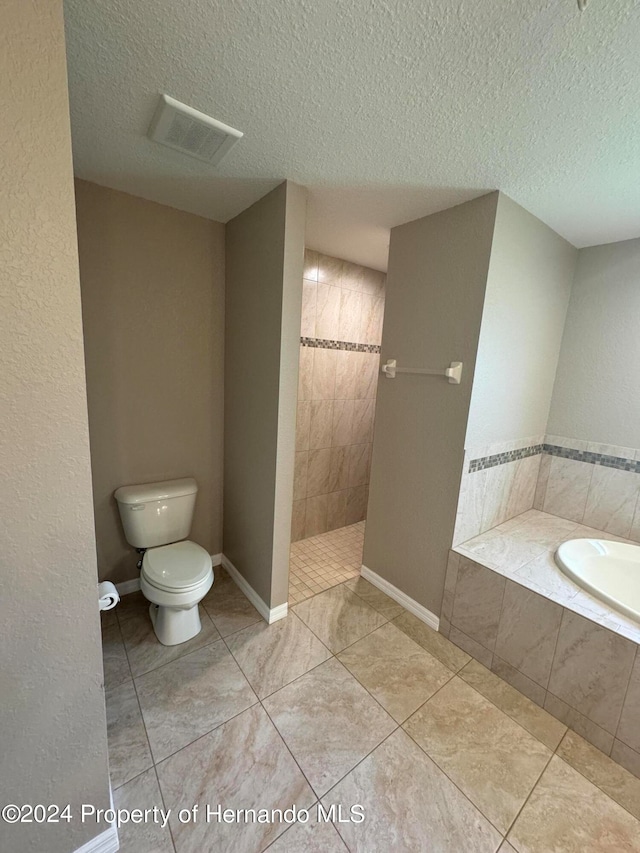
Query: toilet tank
column 155, row 514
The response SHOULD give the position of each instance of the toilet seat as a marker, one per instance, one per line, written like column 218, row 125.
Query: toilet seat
column 177, row 568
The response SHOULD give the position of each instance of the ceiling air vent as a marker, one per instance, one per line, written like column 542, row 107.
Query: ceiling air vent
column 181, row 127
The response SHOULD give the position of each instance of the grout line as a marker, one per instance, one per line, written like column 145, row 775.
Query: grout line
column 553, row 660
column 543, row 496
column 586, row 501
column 446, row 775
column 333, row 787
column 528, row 797
column 155, row 770
column 146, row 732
column 294, row 759
column 551, row 752
column 584, row 775
column 210, row 731
column 206, row 645
column 636, row 660
column 506, row 713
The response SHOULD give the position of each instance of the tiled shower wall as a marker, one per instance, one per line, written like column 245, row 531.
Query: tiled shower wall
column 342, row 311
column 593, row 484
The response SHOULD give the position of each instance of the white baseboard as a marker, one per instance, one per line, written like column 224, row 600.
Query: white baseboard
column 126, row 587
column 269, row 614
column 402, row 598
column 106, row 842
column 216, row 560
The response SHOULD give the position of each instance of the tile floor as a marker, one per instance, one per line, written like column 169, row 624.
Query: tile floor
column 323, row 561
column 348, row 701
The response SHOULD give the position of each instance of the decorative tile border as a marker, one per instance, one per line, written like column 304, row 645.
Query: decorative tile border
column 503, row 458
column 321, row 343
column 621, row 463
column 618, row 462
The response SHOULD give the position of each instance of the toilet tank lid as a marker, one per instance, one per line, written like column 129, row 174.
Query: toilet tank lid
column 156, row 491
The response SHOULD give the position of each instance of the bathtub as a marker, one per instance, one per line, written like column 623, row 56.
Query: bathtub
column 608, row 570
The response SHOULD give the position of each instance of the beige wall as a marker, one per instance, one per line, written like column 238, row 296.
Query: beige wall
column 52, row 723
column 528, row 288
column 436, row 283
column 152, row 282
column 264, row 259
column 341, row 328
column 596, row 398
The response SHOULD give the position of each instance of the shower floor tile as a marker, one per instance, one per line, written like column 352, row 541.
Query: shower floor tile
column 323, row 561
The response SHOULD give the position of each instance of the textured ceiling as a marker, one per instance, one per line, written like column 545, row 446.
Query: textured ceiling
column 385, row 110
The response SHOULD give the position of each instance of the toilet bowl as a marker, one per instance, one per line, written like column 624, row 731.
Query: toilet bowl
column 175, row 578
column 176, row 573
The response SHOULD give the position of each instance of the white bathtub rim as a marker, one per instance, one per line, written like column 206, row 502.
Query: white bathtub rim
column 575, row 558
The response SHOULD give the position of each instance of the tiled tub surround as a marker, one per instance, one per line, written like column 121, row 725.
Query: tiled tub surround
column 498, row 482
column 591, row 483
column 342, row 310
column 508, row 605
column 587, row 482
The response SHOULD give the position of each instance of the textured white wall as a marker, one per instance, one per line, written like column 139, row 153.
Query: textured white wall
column 52, row 721
column 526, row 300
column 596, row 394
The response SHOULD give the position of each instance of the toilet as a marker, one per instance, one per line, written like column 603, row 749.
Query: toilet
column 176, row 573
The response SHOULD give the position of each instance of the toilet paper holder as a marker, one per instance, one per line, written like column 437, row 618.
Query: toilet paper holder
column 108, row 595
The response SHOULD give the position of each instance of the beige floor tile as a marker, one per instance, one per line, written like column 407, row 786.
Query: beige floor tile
column 435, row 643
column 242, row 765
column 568, row 813
column 131, row 604
column 146, row 652
column 273, row 655
column 409, row 805
column 229, row 608
column 396, row 671
column 606, row 774
column 108, row 618
column 188, row 697
column 374, row 597
column 114, row 657
column 313, row 837
column 492, row 759
column 148, row 837
column 339, row 617
column 530, row 716
column 505, row 847
column 329, row 722
column 128, row 746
